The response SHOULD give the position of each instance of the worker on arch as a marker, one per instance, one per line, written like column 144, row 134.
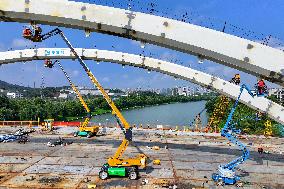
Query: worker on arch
column 236, row 79
column 32, row 33
column 37, row 33
column 261, row 87
column 27, row 33
column 48, row 63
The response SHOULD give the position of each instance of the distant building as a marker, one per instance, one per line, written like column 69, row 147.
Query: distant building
column 117, row 94
column 188, row 91
column 92, row 92
column 278, row 92
column 15, row 95
column 167, row 92
column 63, row 95
column 84, row 91
column 67, row 95
column 181, row 91
column 175, row 92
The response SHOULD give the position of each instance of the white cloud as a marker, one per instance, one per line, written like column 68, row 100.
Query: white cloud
column 2, row 47
column 106, row 79
column 75, row 73
column 140, row 80
column 170, row 57
column 125, row 76
column 134, row 42
column 212, row 69
column 229, row 71
column 16, row 43
column 221, row 70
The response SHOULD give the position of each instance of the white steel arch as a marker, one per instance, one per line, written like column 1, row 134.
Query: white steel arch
column 274, row 110
column 242, row 54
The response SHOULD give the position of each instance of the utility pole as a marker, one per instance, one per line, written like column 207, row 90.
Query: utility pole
column 42, row 86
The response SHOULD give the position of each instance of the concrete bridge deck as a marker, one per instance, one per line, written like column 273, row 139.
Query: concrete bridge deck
column 188, row 162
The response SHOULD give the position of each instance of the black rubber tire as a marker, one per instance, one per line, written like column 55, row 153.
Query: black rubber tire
column 220, row 183
column 133, row 174
column 89, row 135
column 103, row 175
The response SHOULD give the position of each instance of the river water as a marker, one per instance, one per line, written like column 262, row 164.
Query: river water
column 178, row 114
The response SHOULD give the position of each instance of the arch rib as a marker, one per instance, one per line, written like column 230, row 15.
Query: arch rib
column 242, row 54
column 274, row 110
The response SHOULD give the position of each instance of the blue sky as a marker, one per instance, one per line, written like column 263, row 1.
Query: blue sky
column 261, row 16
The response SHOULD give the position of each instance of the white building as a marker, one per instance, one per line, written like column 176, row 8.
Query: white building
column 278, row 92
column 67, row 96
column 92, row 92
column 188, row 91
column 84, row 91
column 63, row 95
column 117, row 94
column 14, row 95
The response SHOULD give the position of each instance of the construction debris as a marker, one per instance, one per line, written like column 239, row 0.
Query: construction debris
column 20, row 135
column 157, row 162
column 155, row 148
column 8, row 138
column 92, row 186
column 145, row 181
column 260, row 150
column 31, row 178
column 50, row 180
column 162, row 183
column 60, row 142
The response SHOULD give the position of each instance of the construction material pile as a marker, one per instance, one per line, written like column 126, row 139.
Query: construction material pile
column 20, row 135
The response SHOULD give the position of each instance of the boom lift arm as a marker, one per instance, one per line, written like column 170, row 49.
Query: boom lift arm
column 227, row 173
column 131, row 165
column 87, row 119
column 84, row 129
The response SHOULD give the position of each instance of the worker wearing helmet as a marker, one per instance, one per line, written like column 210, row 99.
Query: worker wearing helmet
column 261, row 87
column 48, row 63
column 38, row 30
column 37, row 33
column 236, row 79
column 27, row 33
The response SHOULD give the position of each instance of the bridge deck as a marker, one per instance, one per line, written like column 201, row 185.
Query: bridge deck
column 189, row 161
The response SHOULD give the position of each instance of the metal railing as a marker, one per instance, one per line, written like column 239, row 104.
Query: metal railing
column 19, row 123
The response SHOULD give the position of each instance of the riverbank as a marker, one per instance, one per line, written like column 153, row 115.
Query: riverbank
column 62, row 110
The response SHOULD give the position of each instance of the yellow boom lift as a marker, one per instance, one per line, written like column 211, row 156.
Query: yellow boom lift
column 116, row 165
column 84, row 129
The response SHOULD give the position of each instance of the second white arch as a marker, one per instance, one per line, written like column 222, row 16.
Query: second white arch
column 274, row 110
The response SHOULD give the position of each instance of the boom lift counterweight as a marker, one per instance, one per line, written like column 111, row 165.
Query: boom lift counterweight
column 116, row 165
